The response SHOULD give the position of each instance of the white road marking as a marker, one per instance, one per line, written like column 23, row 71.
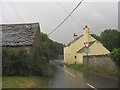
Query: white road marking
column 75, row 76
column 70, row 73
column 92, row 86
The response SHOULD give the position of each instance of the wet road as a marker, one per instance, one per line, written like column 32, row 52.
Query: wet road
column 67, row 78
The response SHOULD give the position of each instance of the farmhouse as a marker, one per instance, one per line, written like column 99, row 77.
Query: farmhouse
column 84, row 45
column 25, row 36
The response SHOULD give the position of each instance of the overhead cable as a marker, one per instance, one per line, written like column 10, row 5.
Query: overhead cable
column 66, row 18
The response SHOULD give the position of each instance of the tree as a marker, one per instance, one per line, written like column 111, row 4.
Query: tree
column 96, row 37
column 51, row 49
column 115, row 55
column 109, row 38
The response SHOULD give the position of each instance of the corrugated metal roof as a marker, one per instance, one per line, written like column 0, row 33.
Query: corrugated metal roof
column 18, row 34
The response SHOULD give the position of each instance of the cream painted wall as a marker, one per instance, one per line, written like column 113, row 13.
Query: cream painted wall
column 74, row 48
column 86, row 35
column 70, row 52
column 79, row 58
column 67, row 54
column 98, row 49
column 77, row 45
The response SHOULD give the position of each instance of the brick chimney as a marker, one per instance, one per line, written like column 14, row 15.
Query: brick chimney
column 86, row 33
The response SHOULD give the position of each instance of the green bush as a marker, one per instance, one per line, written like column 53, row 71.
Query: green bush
column 115, row 55
column 14, row 61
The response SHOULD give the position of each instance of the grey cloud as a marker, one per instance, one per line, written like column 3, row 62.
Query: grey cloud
column 97, row 15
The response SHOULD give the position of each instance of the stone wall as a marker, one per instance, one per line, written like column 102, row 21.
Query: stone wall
column 99, row 60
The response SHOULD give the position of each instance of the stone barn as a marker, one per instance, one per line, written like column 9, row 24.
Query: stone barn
column 23, row 36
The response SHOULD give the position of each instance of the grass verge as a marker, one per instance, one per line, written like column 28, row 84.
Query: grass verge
column 29, row 81
column 95, row 69
column 24, row 82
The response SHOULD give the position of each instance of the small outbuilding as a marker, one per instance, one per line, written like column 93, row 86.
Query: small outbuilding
column 24, row 36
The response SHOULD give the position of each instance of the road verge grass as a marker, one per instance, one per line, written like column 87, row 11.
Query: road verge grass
column 29, row 81
column 24, row 82
column 95, row 69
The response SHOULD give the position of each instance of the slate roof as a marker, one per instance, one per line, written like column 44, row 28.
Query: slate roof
column 73, row 41
column 18, row 34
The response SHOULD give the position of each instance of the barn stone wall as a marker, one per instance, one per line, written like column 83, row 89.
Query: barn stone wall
column 99, row 60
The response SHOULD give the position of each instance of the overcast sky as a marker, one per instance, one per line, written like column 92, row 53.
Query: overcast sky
column 97, row 15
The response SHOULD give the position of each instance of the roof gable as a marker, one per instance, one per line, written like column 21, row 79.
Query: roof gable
column 90, row 44
column 18, row 34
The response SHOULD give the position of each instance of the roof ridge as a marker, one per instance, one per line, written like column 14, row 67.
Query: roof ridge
column 74, row 40
column 25, row 23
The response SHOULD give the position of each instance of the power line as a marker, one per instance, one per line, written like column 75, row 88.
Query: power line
column 67, row 12
column 66, row 18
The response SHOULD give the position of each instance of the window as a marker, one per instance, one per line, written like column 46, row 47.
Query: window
column 75, row 57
